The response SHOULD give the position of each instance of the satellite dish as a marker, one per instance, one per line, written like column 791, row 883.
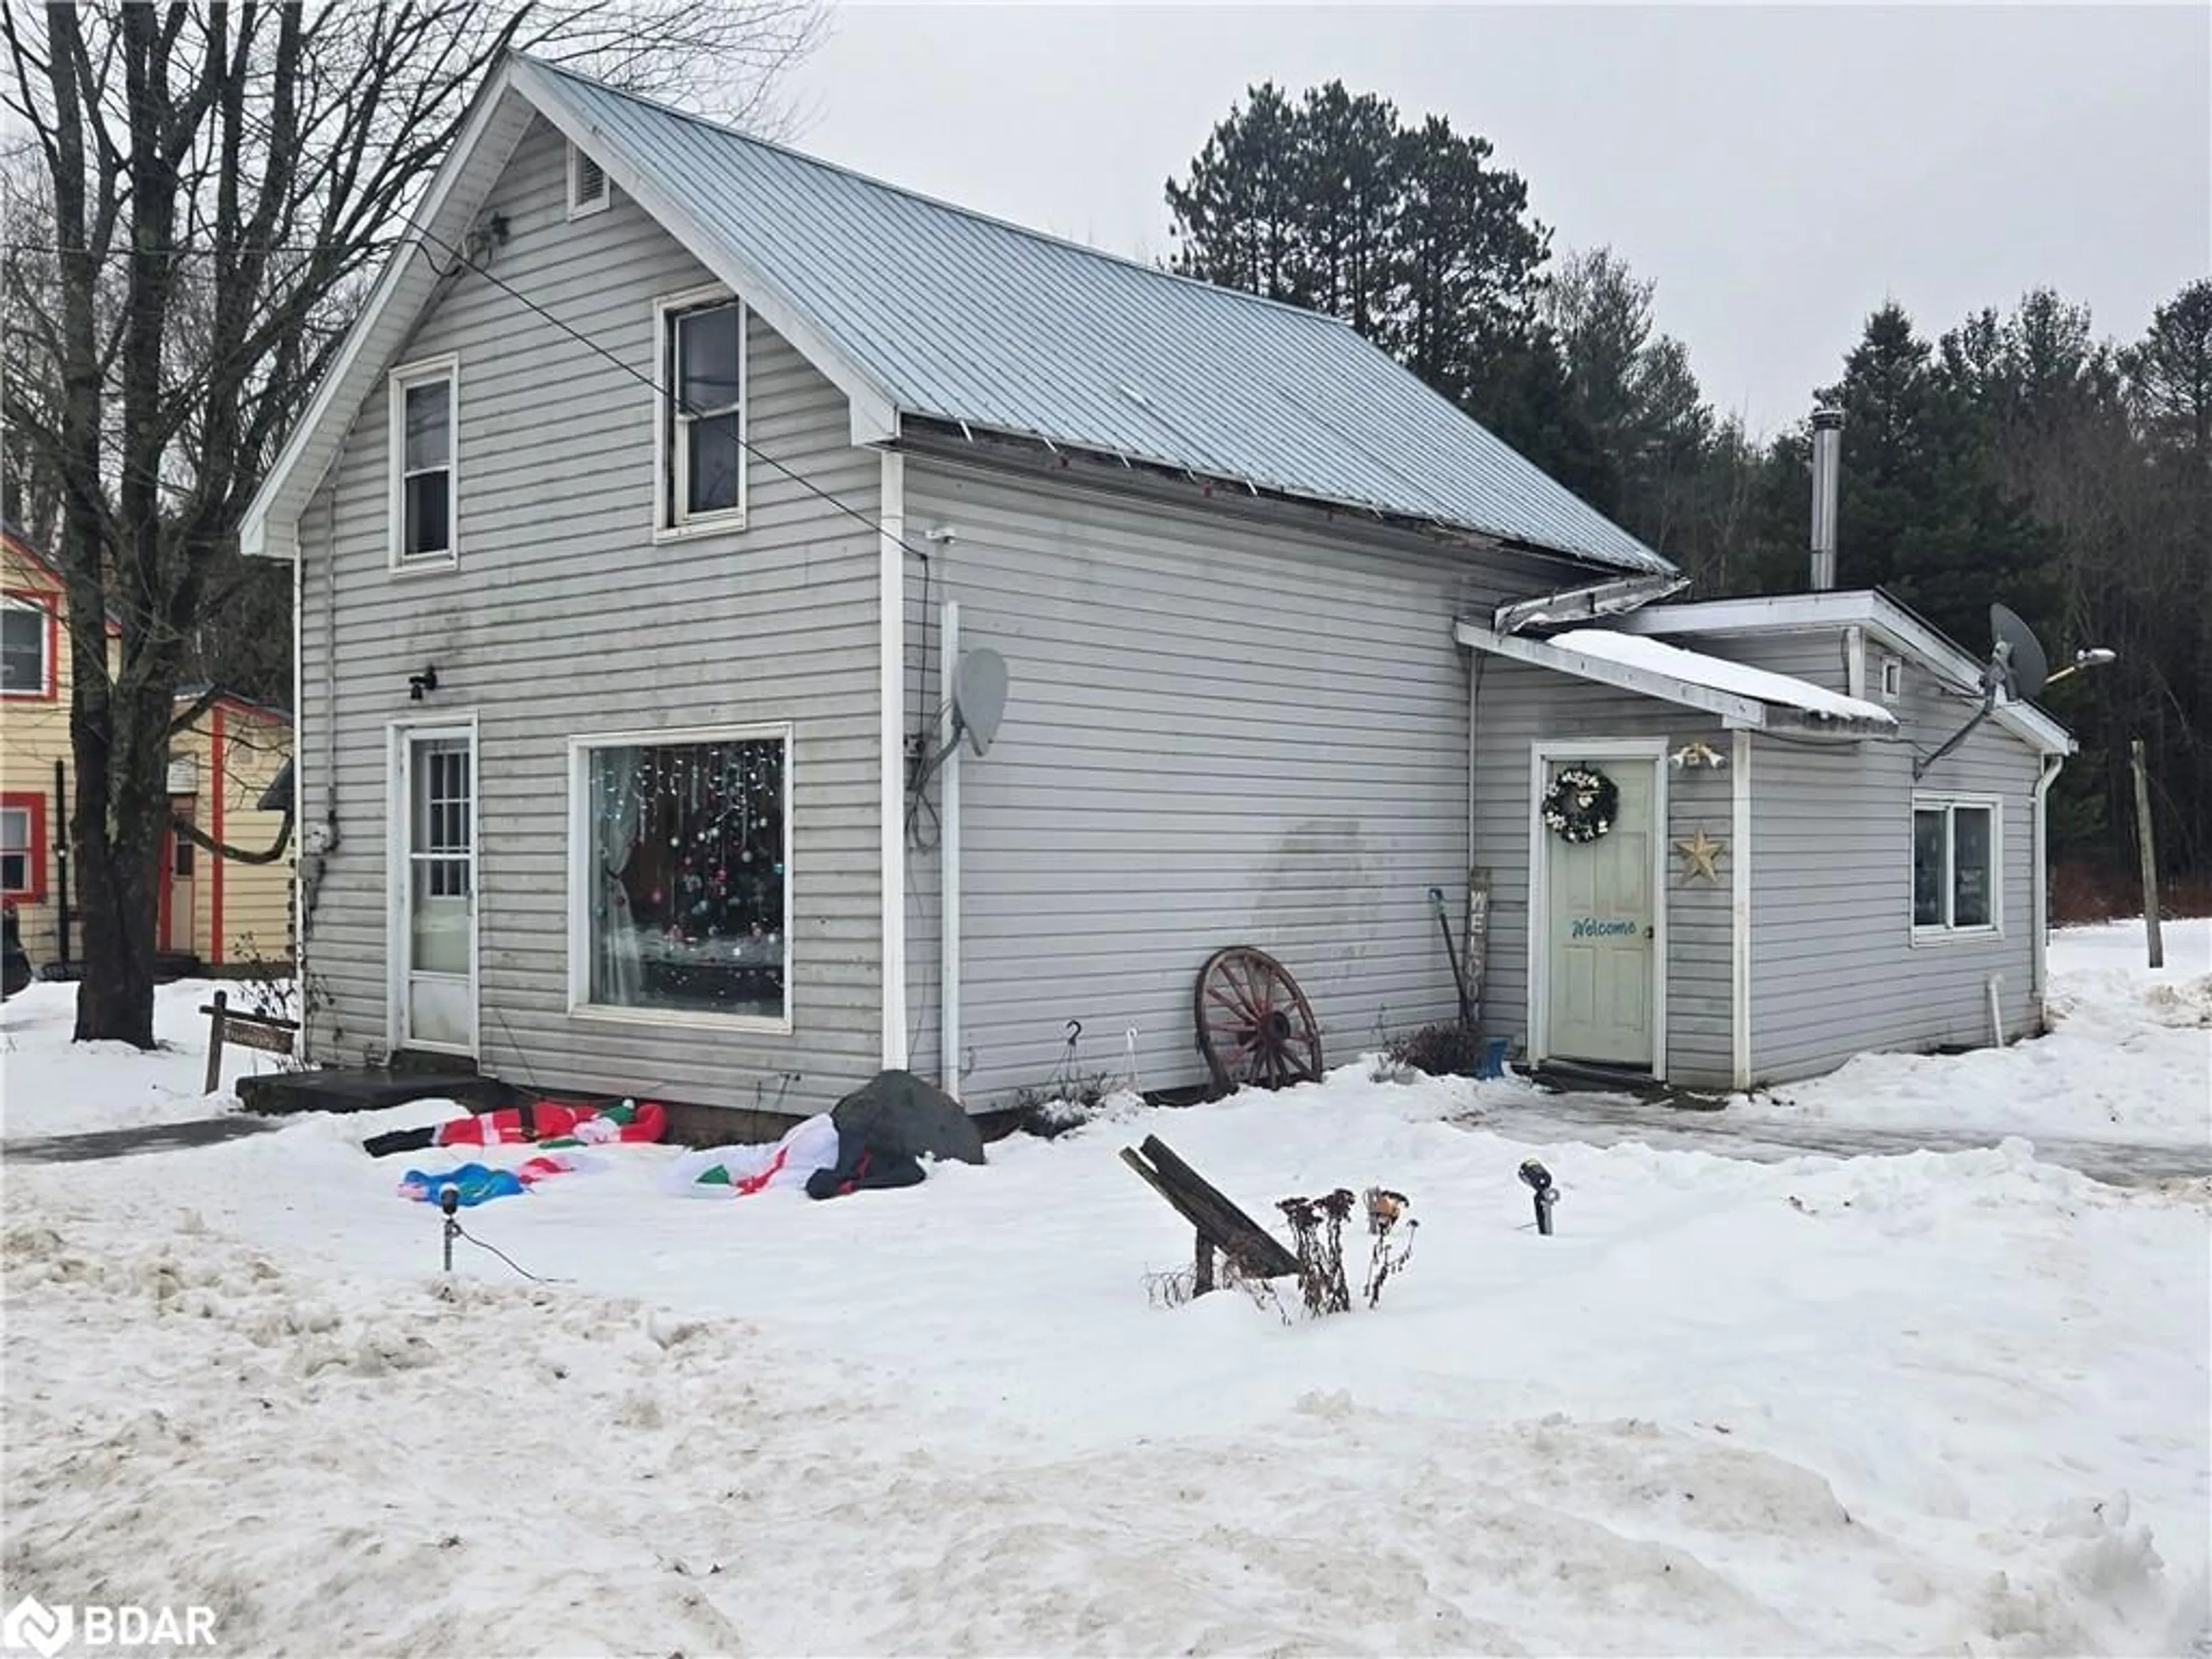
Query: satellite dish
column 979, row 697
column 2018, row 660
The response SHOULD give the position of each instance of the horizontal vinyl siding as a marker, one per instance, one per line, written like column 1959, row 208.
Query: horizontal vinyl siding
column 1835, row 970
column 564, row 618
column 1518, row 705
column 1219, row 731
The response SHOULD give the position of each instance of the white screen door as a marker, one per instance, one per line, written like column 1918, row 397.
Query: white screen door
column 434, row 901
column 1599, row 948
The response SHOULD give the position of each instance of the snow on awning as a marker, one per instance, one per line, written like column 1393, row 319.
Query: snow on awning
column 1721, row 675
column 1754, row 698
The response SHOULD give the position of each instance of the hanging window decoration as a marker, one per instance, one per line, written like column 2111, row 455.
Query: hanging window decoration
column 1581, row 803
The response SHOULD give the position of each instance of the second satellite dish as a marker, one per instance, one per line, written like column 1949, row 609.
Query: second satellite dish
column 979, row 697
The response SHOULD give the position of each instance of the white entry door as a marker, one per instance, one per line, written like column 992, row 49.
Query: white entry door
column 1600, row 928
column 433, row 902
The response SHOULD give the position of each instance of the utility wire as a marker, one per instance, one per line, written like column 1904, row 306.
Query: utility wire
column 459, row 256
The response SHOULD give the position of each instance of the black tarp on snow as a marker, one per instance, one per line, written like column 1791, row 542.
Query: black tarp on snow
column 898, row 1115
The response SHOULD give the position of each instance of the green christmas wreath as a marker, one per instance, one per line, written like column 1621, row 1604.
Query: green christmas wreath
column 1581, row 803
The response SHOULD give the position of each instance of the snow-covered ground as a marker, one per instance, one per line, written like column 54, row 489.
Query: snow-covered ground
column 1939, row 1402
column 2129, row 1058
column 50, row 1086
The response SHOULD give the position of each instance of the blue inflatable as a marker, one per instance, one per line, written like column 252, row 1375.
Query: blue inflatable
column 475, row 1183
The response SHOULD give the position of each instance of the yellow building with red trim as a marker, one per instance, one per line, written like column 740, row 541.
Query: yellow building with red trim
column 213, row 912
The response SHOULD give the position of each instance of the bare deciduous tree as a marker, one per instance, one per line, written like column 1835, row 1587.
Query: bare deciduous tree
column 210, row 188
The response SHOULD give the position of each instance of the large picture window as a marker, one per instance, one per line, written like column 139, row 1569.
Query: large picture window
column 1955, row 866
column 683, row 894
column 703, row 433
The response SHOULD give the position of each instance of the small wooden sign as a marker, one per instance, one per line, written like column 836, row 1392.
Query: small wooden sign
column 271, row 1033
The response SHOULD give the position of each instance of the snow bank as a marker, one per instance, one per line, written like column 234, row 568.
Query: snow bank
column 2127, row 1060
column 50, row 1086
column 1931, row 1403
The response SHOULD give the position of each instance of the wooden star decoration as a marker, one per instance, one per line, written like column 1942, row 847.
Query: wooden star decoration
column 1701, row 856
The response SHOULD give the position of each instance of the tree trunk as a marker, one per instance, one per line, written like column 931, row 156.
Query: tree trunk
column 122, row 805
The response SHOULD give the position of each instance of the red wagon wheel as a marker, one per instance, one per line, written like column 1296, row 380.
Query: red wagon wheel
column 1255, row 1025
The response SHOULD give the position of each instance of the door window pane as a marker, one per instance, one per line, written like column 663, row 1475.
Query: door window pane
column 686, row 889
column 438, row 896
column 1928, row 868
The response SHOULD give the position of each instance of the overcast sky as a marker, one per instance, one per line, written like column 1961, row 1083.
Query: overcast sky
column 1779, row 172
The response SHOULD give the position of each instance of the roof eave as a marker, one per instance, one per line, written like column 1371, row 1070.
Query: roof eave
column 875, row 411
column 920, row 423
column 488, row 135
column 1861, row 607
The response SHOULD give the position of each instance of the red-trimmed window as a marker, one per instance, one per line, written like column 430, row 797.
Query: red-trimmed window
column 28, row 630
column 23, row 847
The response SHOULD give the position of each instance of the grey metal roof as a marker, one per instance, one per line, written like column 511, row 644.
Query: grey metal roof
column 961, row 318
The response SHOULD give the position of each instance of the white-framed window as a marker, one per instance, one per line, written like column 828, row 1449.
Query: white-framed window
column 1892, row 678
column 27, row 640
column 699, row 443
column 588, row 189
column 679, row 877
column 425, row 463
column 1958, row 865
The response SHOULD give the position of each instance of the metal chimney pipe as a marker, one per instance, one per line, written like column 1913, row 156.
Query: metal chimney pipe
column 1827, row 459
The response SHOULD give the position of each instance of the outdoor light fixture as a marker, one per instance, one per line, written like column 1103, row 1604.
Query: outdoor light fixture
column 418, row 683
column 2095, row 656
column 1538, row 1180
column 449, row 1200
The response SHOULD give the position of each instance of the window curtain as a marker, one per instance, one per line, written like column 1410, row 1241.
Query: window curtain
column 618, row 974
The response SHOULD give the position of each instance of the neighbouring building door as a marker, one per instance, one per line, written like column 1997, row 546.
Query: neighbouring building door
column 1600, row 942
column 179, row 862
column 433, row 947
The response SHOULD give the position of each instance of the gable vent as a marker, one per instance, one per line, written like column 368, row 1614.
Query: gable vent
column 587, row 185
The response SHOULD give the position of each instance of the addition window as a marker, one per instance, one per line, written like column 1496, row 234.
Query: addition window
column 425, row 402
column 27, row 646
column 588, row 192
column 680, row 893
column 1957, row 866
column 23, row 847
column 1892, row 678
column 702, row 439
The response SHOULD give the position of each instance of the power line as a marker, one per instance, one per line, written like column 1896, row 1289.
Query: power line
column 459, row 256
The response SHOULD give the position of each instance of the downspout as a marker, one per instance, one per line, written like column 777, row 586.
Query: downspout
column 890, row 646
column 2039, row 955
column 62, row 860
column 948, row 859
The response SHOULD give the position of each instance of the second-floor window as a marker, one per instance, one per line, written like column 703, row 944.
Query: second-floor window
column 702, row 350
column 424, row 406
column 26, row 629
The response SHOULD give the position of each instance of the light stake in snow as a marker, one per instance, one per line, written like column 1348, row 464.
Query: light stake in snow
column 449, row 1200
column 1538, row 1180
